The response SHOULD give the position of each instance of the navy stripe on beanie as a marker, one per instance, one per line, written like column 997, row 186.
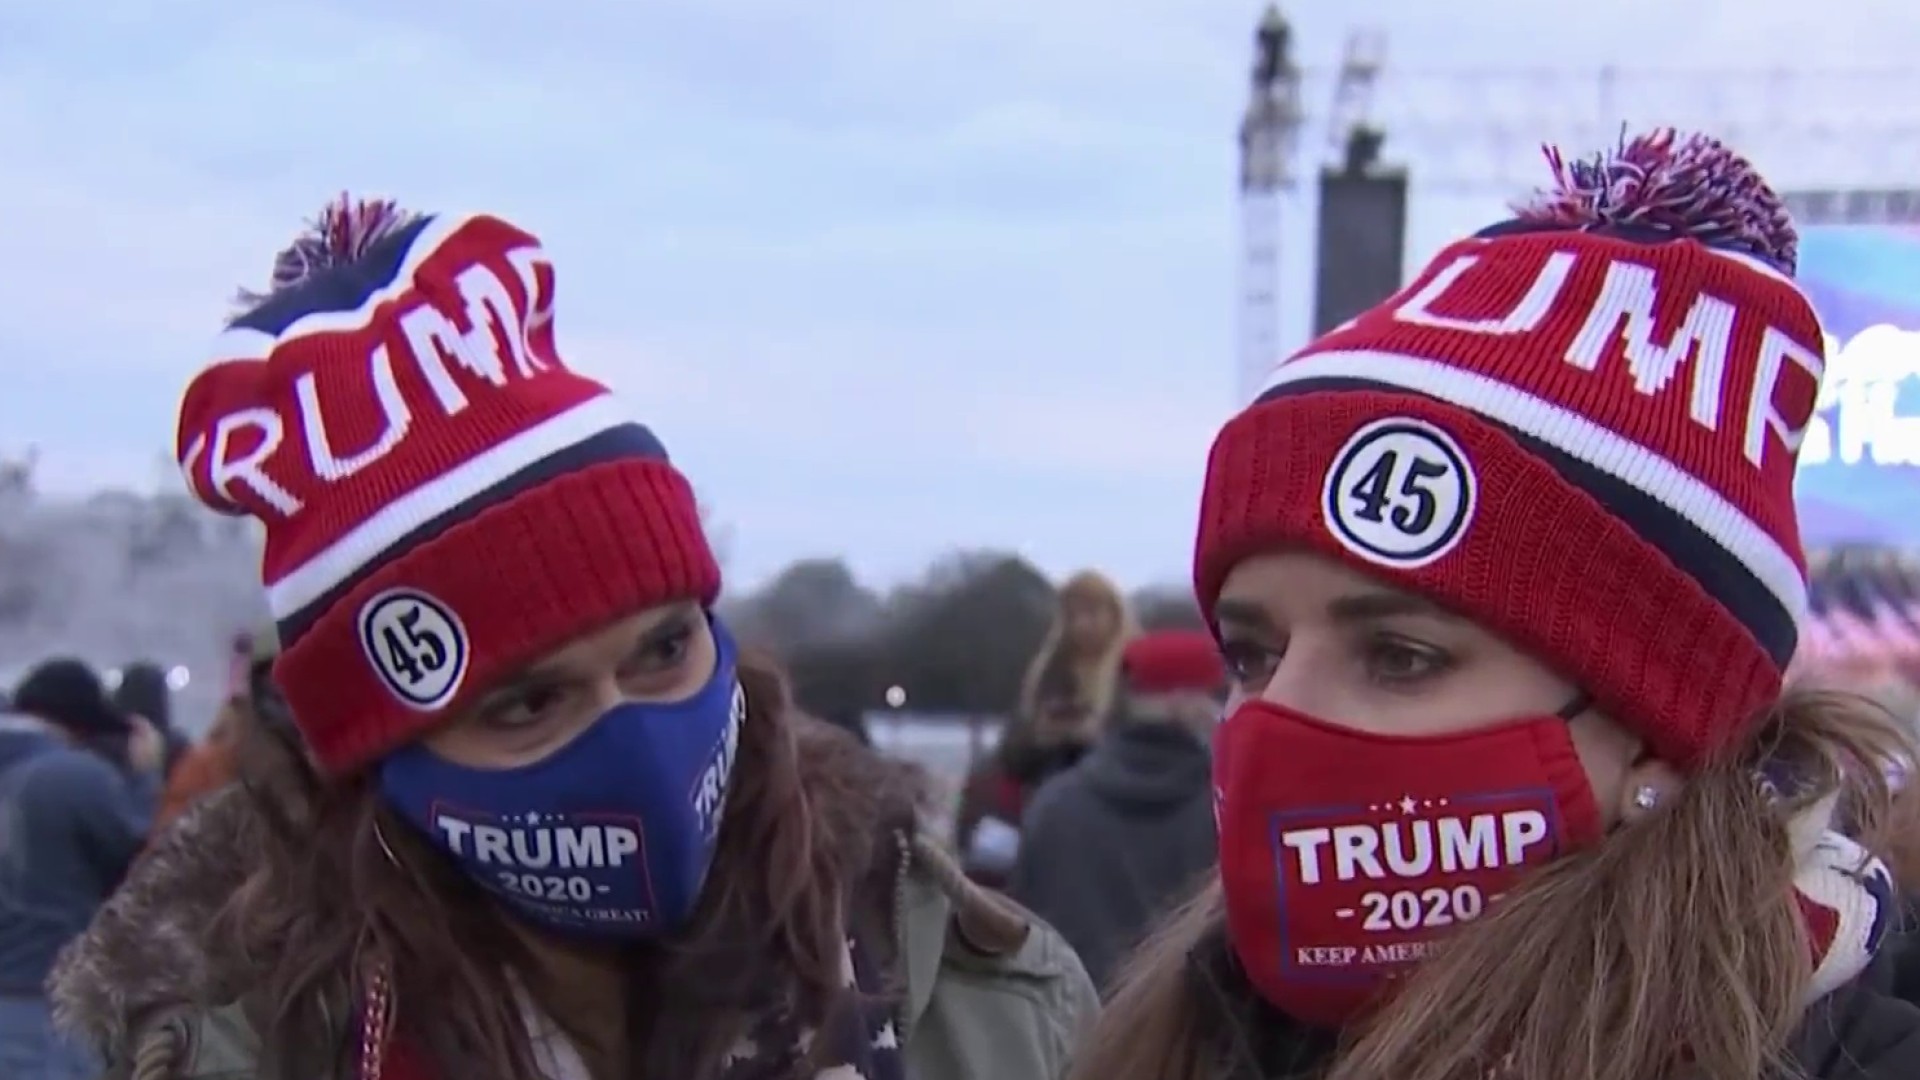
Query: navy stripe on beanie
column 627, row 442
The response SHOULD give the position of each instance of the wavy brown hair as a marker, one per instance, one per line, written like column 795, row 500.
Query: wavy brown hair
column 1677, row 947
column 344, row 884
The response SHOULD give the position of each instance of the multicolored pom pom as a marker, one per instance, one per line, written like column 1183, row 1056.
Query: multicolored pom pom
column 1692, row 186
column 342, row 233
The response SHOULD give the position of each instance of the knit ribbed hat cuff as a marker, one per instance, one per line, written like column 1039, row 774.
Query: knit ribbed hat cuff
column 524, row 578
column 1543, row 564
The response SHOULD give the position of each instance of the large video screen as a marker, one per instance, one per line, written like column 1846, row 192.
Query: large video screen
column 1859, row 478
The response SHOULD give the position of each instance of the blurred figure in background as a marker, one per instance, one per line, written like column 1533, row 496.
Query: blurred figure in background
column 206, row 768
column 251, row 700
column 1064, row 702
column 145, row 691
column 77, row 786
column 1113, row 843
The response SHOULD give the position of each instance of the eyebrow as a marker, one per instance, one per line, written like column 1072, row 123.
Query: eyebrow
column 504, row 692
column 1380, row 605
column 546, row 675
column 1242, row 612
column 1357, row 607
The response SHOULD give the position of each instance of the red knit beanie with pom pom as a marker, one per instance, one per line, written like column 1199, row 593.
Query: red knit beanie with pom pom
column 1577, row 428
column 443, row 498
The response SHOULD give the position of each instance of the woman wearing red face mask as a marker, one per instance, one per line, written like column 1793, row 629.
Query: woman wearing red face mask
column 1507, row 573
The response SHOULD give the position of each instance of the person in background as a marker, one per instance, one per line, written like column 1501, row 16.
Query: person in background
column 1064, row 702
column 207, row 767
column 546, row 819
column 1511, row 784
column 250, row 701
column 77, row 786
column 143, row 690
column 1115, row 842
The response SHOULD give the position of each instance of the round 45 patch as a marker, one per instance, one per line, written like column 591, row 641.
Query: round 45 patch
column 1400, row 493
column 416, row 645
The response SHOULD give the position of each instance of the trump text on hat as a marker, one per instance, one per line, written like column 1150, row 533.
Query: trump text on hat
column 441, row 347
column 1582, row 306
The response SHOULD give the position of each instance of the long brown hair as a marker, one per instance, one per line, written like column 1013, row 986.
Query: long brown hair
column 1677, row 936
column 344, row 884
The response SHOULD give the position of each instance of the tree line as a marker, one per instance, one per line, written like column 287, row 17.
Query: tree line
column 957, row 640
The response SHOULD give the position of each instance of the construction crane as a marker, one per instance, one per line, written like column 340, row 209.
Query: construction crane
column 1354, row 140
column 1476, row 134
column 1270, row 135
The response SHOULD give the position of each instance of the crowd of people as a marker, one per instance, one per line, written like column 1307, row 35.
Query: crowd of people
column 92, row 766
column 1487, row 764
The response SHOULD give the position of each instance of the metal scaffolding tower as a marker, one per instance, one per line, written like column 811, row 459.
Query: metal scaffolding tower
column 1269, row 139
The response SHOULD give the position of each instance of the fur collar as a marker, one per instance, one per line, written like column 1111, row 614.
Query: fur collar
column 146, row 951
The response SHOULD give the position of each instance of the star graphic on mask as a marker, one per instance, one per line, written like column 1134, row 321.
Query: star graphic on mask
column 1408, row 805
column 533, row 818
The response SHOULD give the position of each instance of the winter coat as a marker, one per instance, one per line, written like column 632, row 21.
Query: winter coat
column 1111, row 845
column 987, row 991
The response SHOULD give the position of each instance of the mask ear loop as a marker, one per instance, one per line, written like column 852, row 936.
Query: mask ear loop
column 380, row 837
column 1582, row 701
column 1645, row 797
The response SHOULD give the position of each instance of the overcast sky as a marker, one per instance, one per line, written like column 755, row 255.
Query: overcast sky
column 889, row 279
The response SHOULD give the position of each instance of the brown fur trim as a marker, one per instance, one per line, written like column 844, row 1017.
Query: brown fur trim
column 146, row 952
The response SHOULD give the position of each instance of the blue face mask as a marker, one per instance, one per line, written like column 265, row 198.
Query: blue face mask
column 612, row 835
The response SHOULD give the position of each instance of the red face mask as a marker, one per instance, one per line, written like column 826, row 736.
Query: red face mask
column 1344, row 855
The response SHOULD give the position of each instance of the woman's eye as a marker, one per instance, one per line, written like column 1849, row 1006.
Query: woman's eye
column 1395, row 661
column 1247, row 662
column 526, row 708
column 662, row 652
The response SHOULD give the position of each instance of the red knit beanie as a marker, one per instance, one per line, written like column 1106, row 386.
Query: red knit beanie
column 443, row 499
column 1577, row 428
column 1173, row 661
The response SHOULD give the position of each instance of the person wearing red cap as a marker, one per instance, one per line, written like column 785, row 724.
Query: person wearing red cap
column 1116, row 841
column 544, row 819
column 213, row 763
column 1507, row 575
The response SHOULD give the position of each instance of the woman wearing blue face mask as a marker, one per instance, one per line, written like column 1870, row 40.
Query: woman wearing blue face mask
column 549, row 823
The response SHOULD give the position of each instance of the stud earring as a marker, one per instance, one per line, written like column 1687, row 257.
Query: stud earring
column 1646, row 797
